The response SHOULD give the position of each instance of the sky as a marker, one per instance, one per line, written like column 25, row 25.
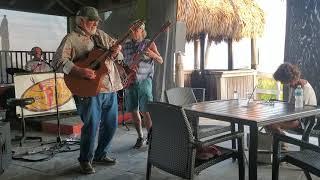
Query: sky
column 27, row 30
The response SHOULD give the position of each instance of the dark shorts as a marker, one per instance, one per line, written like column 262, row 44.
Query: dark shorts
column 138, row 95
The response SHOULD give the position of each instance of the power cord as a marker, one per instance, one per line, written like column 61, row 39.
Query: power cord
column 47, row 152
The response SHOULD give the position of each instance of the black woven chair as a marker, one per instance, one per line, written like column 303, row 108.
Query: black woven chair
column 312, row 127
column 173, row 147
column 181, row 96
column 315, row 132
column 307, row 158
column 309, row 127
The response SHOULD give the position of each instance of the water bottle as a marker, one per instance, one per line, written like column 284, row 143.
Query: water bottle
column 298, row 95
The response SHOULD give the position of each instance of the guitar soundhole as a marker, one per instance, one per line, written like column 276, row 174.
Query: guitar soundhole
column 94, row 65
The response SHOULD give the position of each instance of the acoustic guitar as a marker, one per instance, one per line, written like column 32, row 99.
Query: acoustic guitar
column 95, row 60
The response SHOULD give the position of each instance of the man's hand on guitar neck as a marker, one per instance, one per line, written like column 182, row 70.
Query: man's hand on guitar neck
column 85, row 73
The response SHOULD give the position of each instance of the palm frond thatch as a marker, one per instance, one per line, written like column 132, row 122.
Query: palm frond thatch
column 221, row 19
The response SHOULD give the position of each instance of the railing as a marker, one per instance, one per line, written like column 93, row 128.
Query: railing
column 16, row 59
column 221, row 84
column 269, row 87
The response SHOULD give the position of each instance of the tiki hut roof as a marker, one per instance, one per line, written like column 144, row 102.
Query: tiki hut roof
column 221, row 19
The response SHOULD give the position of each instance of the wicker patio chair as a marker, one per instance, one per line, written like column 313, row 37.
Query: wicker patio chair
column 181, row 96
column 307, row 158
column 173, row 147
column 315, row 132
column 309, row 127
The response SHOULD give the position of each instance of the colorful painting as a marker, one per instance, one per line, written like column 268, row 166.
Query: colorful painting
column 41, row 87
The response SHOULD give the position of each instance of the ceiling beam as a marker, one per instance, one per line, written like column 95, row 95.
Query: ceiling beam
column 12, row 2
column 80, row 3
column 65, row 7
column 49, row 5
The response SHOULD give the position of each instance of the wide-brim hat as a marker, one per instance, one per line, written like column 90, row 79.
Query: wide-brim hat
column 89, row 12
column 142, row 26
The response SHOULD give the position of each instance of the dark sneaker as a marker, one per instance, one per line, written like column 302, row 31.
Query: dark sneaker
column 139, row 143
column 149, row 136
column 86, row 168
column 106, row 160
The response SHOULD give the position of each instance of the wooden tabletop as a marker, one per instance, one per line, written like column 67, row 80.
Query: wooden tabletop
column 257, row 112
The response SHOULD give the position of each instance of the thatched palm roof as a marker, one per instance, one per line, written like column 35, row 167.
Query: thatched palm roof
column 221, row 19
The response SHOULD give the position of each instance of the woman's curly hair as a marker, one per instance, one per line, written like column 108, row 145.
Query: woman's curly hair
column 286, row 73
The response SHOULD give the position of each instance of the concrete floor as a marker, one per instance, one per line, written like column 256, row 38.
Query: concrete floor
column 131, row 165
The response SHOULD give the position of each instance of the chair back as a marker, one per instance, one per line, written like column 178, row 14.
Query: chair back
column 171, row 147
column 181, row 96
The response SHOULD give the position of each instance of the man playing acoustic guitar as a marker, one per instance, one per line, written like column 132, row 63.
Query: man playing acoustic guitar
column 140, row 92
column 100, row 111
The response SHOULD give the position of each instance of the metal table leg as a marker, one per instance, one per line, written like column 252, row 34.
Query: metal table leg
column 253, row 149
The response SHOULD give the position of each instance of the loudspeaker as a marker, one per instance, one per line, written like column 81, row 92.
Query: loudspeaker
column 5, row 146
column 180, row 36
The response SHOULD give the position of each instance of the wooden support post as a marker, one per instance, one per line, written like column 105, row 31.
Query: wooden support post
column 196, row 55
column 179, row 74
column 230, row 55
column 254, row 54
column 202, row 50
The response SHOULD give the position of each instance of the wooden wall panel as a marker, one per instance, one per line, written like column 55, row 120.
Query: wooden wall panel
column 221, row 84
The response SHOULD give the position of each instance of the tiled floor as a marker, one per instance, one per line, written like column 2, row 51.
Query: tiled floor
column 131, row 165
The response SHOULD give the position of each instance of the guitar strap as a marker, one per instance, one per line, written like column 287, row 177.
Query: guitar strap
column 97, row 42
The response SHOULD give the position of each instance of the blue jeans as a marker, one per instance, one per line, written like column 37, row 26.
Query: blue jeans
column 97, row 111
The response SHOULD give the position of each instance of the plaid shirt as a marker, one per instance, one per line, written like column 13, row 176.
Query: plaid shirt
column 76, row 45
column 146, row 65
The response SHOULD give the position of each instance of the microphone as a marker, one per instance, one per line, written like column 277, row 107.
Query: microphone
column 48, row 63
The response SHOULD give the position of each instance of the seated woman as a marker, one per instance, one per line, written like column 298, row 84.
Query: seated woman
column 289, row 74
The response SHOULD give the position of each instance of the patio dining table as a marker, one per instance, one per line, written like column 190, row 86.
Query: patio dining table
column 252, row 114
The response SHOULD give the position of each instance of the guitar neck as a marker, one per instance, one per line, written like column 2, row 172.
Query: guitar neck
column 127, row 34
column 151, row 41
column 122, row 39
column 136, row 56
column 107, row 53
column 162, row 29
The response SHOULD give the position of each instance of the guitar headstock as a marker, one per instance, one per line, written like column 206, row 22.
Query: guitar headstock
column 138, row 23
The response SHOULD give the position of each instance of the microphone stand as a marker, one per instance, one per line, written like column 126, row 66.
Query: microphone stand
column 57, row 105
column 59, row 142
column 124, row 124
